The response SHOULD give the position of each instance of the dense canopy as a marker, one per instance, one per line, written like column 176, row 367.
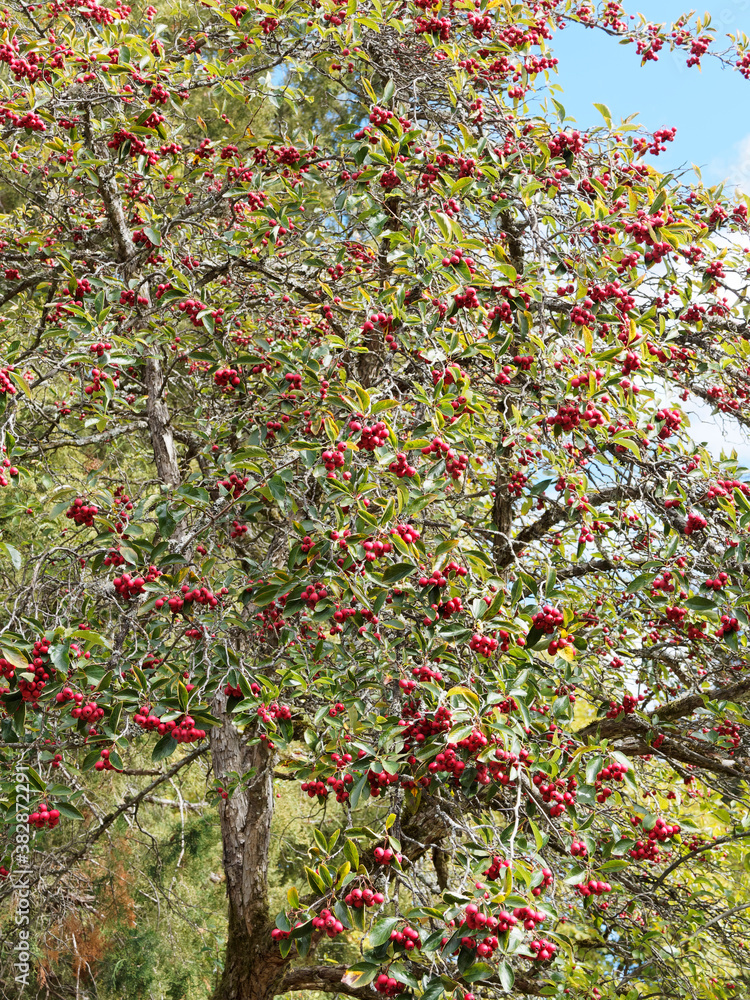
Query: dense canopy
column 345, row 402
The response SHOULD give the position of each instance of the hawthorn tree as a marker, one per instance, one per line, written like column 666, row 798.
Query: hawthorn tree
column 344, row 415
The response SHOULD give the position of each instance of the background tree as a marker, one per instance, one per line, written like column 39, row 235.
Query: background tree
column 346, row 449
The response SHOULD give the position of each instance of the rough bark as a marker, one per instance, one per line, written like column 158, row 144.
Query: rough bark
column 253, row 966
column 159, row 425
column 370, row 365
column 116, row 215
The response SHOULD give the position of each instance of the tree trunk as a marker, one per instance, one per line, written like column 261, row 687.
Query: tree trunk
column 253, row 965
column 159, row 425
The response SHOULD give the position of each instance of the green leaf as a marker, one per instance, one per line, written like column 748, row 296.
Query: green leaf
column 434, row 989
column 164, row 748
column 13, row 656
column 182, row 696
column 381, row 931
column 360, row 974
column 506, row 976
column 478, row 971
column 700, row 604
column 593, row 767
column 68, row 811
column 35, row 779
column 359, row 787
column 165, row 520
column 13, row 554
column 351, row 854
column 605, row 113
column 640, row 583
column 398, row 571
column 314, row 880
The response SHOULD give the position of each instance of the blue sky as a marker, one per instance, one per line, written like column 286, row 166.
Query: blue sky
column 710, row 107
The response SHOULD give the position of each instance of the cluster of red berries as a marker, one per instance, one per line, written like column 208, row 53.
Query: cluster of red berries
column 81, row 512
column 497, row 866
column 455, row 464
column 408, row 938
column 578, row 849
column 314, row 788
column 401, row 467
column 197, row 595
column 129, row 587
column 485, row 645
column 95, row 385
column 6, row 386
column 727, row 626
column 89, row 712
column 436, row 447
column 328, row 923
column 373, row 437
column 529, row 917
column 103, row 764
column 516, row 483
column 547, row 620
column 695, row 522
column 183, row 731
column 234, row 484
column 388, row 986
column 718, row 583
column 567, row 417
column 67, row 695
column 44, row 817
column 312, row 594
column 358, row 898
column 273, row 711
column 407, row 533
column 375, row 549
column 227, row 378
column 628, row 706
column 31, row 690
column 99, row 348
column 613, row 772
column 333, row 459
column 543, row 949
column 661, row 831
column 561, row 793
column 191, row 308
column 467, row 299
column 547, row 880
column 593, row 888
column 425, row 673
column 384, row 856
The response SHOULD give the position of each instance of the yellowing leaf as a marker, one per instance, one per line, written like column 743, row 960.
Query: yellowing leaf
column 14, row 657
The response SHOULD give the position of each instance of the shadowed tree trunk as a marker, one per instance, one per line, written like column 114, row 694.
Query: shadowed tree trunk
column 253, row 965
